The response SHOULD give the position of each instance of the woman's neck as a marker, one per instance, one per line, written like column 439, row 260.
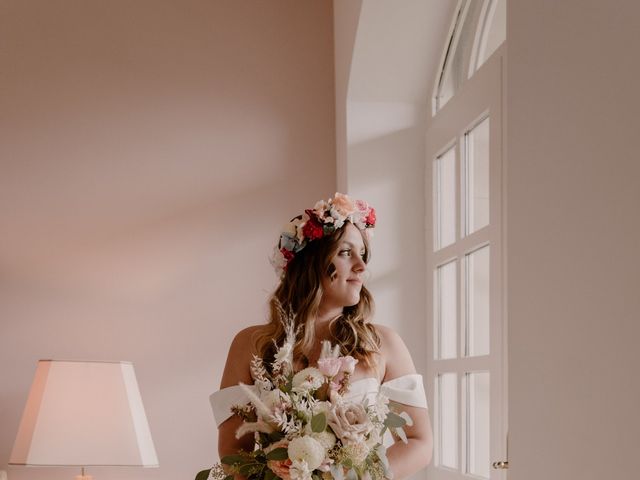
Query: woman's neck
column 325, row 316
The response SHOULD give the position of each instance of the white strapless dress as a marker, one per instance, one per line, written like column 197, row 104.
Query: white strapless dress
column 407, row 390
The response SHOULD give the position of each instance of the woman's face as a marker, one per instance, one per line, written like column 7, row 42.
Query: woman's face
column 342, row 289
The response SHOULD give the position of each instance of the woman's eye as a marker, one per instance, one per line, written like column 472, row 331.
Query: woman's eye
column 345, row 252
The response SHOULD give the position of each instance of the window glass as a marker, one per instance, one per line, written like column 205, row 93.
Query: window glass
column 446, row 311
column 478, row 423
column 444, row 201
column 447, row 444
column 455, row 68
column 477, row 326
column 476, row 177
column 493, row 30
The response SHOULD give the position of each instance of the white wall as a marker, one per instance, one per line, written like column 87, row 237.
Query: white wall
column 573, row 237
column 346, row 16
column 380, row 143
column 149, row 153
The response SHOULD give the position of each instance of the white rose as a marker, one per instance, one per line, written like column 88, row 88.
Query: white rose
column 349, row 421
column 326, row 439
column 308, row 450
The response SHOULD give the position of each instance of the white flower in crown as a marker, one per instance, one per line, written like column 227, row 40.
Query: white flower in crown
column 320, row 208
column 278, row 261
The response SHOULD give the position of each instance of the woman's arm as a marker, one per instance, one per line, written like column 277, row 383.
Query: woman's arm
column 405, row 459
column 236, row 370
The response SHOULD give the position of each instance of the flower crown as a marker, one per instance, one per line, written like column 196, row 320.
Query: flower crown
column 324, row 219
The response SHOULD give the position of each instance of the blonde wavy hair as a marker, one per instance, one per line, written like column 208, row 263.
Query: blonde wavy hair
column 298, row 296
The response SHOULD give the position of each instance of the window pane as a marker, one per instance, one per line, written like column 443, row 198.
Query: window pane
column 476, row 177
column 477, row 302
column 448, row 420
column 455, row 69
column 446, row 311
column 444, row 174
column 494, row 32
column 477, row 428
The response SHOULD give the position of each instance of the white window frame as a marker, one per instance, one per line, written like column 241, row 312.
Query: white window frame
column 480, row 96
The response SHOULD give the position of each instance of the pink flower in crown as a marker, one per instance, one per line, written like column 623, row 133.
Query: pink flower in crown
column 371, row 218
column 343, row 204
column 362, row 207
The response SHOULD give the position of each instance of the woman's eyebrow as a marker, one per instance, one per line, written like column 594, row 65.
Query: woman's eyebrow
column 353, row 245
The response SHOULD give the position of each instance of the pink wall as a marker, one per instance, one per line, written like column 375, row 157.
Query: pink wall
column 573, row 236
column 150, row 152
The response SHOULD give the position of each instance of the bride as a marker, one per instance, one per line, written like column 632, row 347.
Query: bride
column 321, row 258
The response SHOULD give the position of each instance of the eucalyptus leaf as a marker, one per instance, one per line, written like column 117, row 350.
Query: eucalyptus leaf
column 269, row 475
column 319, row 423
column 401, row 434
column 278, row 454
column 232, row 459
column 394, row 420
column 407, row 418
column 275, row 436
column 246, row 469
column 203, row 475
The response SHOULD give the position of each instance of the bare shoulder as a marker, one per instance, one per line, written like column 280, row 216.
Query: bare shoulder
column 243, row 340
column 395, row 354
column 241, row 352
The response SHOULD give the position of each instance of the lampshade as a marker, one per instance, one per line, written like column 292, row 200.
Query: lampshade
column 84, row 414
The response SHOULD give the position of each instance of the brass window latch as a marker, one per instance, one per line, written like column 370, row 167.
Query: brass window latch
column 503, row 465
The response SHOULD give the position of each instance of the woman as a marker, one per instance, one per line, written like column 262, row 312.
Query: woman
column 322, row 257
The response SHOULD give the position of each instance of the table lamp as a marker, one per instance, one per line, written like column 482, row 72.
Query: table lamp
column 84, row 414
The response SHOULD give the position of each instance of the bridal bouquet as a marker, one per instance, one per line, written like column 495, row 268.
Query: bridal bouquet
column 305, row 428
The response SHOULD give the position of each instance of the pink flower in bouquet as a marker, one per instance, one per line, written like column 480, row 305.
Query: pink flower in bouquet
column 347, row 367
column 329, row 366
column 348, row 364
column 279, row 467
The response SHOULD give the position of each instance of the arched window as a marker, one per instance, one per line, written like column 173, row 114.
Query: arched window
column 466, row 367
column 477, row 30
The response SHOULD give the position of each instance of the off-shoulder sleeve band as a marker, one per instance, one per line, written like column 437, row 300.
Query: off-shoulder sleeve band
column 222, row 401
column 407, row 389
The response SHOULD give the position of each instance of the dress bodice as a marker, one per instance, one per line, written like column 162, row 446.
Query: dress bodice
column 407, row 390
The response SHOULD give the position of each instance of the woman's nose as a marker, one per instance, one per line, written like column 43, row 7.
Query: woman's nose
column 359, row 266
